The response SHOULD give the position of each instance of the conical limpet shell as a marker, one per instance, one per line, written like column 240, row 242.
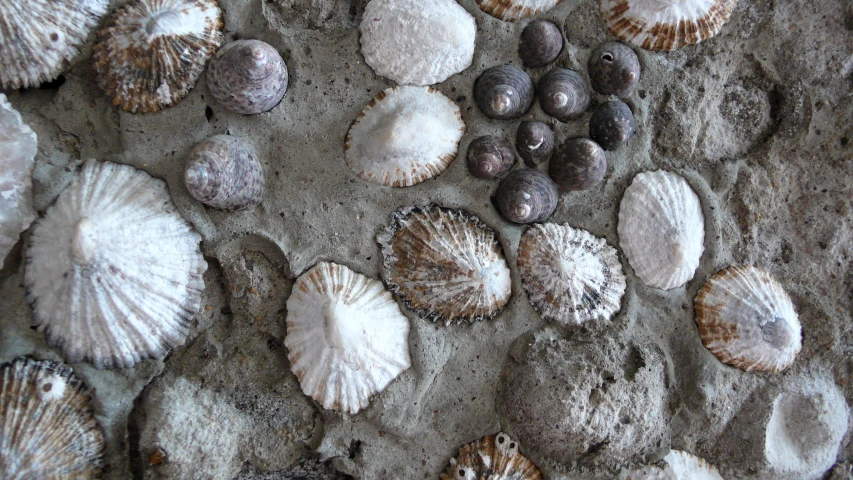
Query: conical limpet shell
column 493, row 457
column 503, row 92
column 746, row 319
column 346, row 337
column 18, row 149
column 445, row 264
column 404, row 136
column 680, row 465
column 563, row 94
column 247, row 76
column 512, row 10
column 526, row 195
column 224, row 172
column 113, row 271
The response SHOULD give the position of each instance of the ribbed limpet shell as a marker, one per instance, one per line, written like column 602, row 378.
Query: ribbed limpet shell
column 18, row 150
column 493, row 457
column 678, row 465
column 512, row 10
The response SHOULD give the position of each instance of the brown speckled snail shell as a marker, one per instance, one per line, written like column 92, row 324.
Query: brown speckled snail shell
column 611, row 124
column 614, row 69
column 564, row 94
column 504, row 92
column 534, row 142
column 578, row 164
column 223, row 172
column 490, row 157
column 540, row 43
column 526, row 195
column 247, row 76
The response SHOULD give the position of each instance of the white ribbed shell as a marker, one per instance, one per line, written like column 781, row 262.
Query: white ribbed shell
column 512, row 10
column 17, row 154
column 661, row 229
column 747, row 320
column 346, row 337
column 570, row 275
column 404, row 136
column 113, row 271
column 680, row 465
column 417, row 42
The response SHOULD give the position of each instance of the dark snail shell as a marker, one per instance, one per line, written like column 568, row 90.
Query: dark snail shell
column 564, row 94
column 526, row 195
column 578, row 164
column 614, row 69
column 534, row 142
column 504, row 92
column 223, row 172
column 489, row 157
column 611, row 124
column 247, row 76
column 540, row 43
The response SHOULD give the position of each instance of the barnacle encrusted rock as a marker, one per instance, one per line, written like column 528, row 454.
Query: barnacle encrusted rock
column 17, row 155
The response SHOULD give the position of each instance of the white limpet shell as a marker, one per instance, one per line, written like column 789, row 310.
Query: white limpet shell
column 661, row 229
column 493, row 457
column 512, row 10
column 417, row 42
column 404, row 136
column 746, row 319
column 38, row 38
column 346, row 337
column 680, row 465
column 17, row 154
column 666, row 24
column 113, row 271
column 570, row 276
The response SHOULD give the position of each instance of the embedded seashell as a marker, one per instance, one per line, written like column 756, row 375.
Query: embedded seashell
column 679, row 465
column 526, row 195
column 48, row 430
column 113, row 271
column 512, row 10
column 404, row 136
column 563, row 94
column 490, row 157
column 661, row 229
column 416, row 42
column 746, row 319
column 38, row 38
column 611, row 124
column 571, row 277
column 445, row 264
column 17, row 156
column 656, row 25
column 504, row 92
column 534, row 142
column 540, row 44
column 578, row 164
column 495, row 457
column 151, row 53
column 346, row 337
column 223, row 172
column 614, row 69
column 247, row 76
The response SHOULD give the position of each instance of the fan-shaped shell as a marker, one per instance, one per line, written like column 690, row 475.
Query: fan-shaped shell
column 657, row 25
column 661, row 229
column 18, row 145
column 445, row 264
column 404, row 136
column 746, row 319
column 224, row 172
column 38, row 38
column 416, row 42
column 247, row 76
column 493, row 457
column 512, row 10
column 152, row 52
column 679, row 465
column 346, row 337
column 47, row 427
column 113, row 271
column 570, row 276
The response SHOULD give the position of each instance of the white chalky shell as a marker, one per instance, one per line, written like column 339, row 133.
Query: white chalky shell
column 680, row 465
column 17, row 155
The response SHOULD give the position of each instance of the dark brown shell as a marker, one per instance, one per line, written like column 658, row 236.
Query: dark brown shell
column 504, row 92
column 247, row 76
column 534, row 142
column 578, row 164
column 525, row 196
column 223, row 172
column 494, row 457
column 564, row 94
column 614, row 69
column 611, row 124
column 540, row 44
column 490, row 157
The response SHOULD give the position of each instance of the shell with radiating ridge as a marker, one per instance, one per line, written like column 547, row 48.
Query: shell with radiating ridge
column 404, row 136
column 747, row 320
column 571, row 277
column 224, row 172
column 346, row 337
column 495, row 457
column 445, row 264
column 247, row 76
column 113, row 271
column 18, row 148
column 38, row 38
column 48, row 430
column 512, row 10
column 661, row 229
column 152, row 52
column 679, row 465
column 416, row 42
column 657, row 25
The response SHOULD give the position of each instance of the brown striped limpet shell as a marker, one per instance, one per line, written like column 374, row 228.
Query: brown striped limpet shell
column 512, row 10
column 493, row 457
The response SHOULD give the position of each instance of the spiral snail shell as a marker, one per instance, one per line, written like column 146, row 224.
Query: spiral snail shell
column 489, row 157
column 614, row 69
column 564, row 94
column 611, row 124
column 540, row 43
column 526, row 195
column 534, row 142
column 247, row 76
column 578, row 164
column 504, row 92
column 223, row 172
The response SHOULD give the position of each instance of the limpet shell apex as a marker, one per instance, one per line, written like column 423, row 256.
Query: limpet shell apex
column 224, row 172
column 247, row 76
column 493, row 457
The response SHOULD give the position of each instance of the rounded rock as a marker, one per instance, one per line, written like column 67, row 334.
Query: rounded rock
column 247, row 76
column 534, row 142
column 526, row 196
column 490, row 157
column 578, row 164
column 564, row 94
column 611, row 124
column 504, row 92
column 614, row 69
column 540, row 44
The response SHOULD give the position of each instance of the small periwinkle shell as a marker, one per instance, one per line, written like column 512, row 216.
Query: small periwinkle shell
column 578, row 164
column 525, row 196
column 614, row 69
column 611, row 124
column 534, row 142
column 504, row 92
column 223, row 172
column 540, row 43
column 247, row 76
column 489, row 157
column 564, row 94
